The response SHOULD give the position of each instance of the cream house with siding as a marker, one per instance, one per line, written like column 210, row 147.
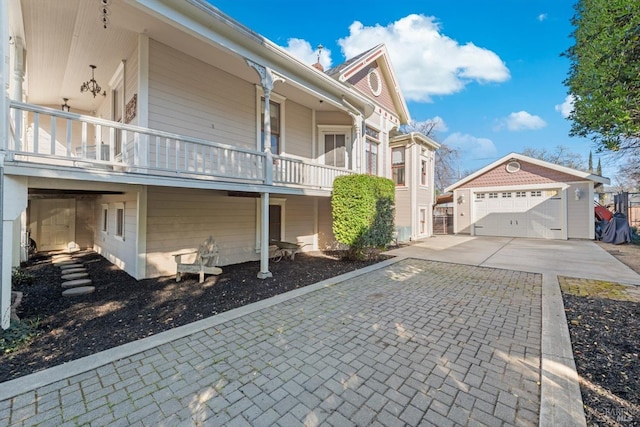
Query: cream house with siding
column 200, row 126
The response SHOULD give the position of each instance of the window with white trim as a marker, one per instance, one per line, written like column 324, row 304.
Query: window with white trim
column 506, row 195
column 372, row 141
column 424, row 167
column 537, row 193
column 423, row 221
column 335, row 149
column 120, row 220
column 397, row 165
column 493, row 195
column 274, row 112
column 480, row 196
column 105, row 219
column 521, row 194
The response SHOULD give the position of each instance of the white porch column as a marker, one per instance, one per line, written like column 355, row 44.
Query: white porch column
column 5, row 240
column 358, row 144
column 14, row 202
column 267, row 80
column 264, row 237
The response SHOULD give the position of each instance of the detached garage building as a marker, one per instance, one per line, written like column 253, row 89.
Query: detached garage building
column 519, row 196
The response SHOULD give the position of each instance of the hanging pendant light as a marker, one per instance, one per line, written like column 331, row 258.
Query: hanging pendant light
column 92, row 85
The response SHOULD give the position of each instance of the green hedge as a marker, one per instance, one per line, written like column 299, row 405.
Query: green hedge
column 362, row 207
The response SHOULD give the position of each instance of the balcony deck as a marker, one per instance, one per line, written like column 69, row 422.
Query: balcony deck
column 47, row 139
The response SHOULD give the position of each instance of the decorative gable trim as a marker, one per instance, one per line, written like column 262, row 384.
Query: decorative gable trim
column 557, row 172
column 357, row 72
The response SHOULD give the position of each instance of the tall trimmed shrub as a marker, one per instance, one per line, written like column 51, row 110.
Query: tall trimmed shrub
column 362, row 207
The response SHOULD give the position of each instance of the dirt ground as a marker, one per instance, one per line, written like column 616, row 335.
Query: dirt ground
column 604, row 324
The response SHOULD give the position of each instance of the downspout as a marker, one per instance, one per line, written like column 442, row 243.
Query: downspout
column 5, row 277
column 415, row 209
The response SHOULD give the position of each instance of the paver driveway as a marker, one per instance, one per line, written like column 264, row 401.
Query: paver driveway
column 417, row 342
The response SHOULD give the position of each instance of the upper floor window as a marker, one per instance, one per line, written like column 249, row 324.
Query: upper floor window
column 397, row 165
column 371, row 150
column 335, row 149
column 423, row 171
column 275, row 125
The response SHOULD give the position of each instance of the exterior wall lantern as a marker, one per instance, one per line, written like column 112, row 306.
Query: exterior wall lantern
column 461, row 199
column 578, row 193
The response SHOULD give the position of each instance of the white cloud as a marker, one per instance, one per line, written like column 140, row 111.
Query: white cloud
column 302, row 50
column 542, row 17
column 566, row 107
column 438, row 123
column 471, row 147
column 426, row 61
column 521, row 121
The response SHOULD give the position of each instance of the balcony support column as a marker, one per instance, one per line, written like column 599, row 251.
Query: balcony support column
column 264, row 272
column 267, row 80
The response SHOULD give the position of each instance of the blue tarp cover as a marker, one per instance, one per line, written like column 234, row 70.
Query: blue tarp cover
column 616, row 231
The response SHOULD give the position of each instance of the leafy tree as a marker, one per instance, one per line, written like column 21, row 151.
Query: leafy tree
column 603, row 77
column 560, row 156
column 446, row 157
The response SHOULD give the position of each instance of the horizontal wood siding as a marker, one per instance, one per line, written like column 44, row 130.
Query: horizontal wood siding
column 333, row 118
column 403, row 207
column 298, row 130
column 578, row 218
column 326, row 238
column 121, row 252
column 299, row 221
column 192, row 98
column 181, row 219
column 85, row 223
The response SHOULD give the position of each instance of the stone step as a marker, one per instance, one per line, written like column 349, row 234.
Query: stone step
column 74, row 270
column 76, row 283
column 64, row 262
column 82, row 290
column 65, row 267
column 73, row 276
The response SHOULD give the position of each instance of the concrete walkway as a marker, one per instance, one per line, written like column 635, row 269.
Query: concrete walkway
column 411, row 341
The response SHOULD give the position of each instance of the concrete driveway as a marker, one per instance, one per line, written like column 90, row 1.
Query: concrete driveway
column 572, row 258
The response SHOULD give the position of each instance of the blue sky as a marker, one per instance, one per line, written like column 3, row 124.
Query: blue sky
column 490, row 70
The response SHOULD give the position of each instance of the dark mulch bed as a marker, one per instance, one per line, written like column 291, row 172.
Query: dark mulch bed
column 122, row 309
column 604, row 324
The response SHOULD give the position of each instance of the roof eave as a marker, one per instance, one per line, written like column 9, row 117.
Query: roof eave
column 579, row 174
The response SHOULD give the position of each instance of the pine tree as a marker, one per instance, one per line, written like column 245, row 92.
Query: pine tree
column 590, row 162
column 599, row 170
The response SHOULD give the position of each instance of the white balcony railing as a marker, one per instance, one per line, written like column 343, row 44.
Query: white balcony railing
column 43, row 135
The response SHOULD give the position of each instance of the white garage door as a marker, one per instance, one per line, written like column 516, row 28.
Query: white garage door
column 531, row 213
